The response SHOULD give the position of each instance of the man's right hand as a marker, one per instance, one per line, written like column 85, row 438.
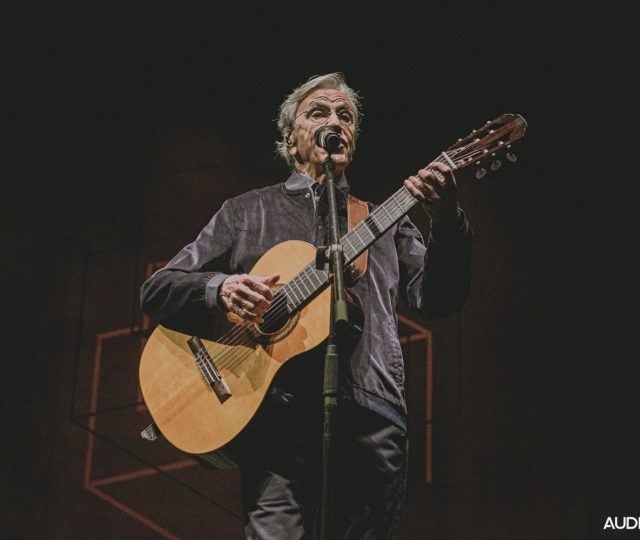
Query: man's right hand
column 248, row 296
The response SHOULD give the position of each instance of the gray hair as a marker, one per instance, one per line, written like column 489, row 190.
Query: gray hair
column 287, row 112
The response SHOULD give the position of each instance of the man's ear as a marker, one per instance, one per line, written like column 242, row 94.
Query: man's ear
column 289, row 142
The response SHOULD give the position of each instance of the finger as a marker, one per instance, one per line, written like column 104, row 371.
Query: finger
column 245, row 309
column 260, row 288
column 254, row 297
column 269, row 281
column 426, row 188
column 272, row 279
column 414, row 187
column 449, row 177
column 432, row 177
column 236, row 300
column 246, row 315
column 262, row 284
column 248, row 301
column 420, row 190
column 442, row 167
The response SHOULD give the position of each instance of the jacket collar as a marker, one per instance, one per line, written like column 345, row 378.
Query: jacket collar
column 297, row 182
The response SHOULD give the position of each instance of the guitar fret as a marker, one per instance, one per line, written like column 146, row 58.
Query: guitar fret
column 378, row 224
column 288, row 299
column 372, row 224
column 393, row 198
column 348, row 240
column 349, row 251
column 321, row 276
column 304, row 284
column 355, row 231
column 384, row 207
column 291, row 284
column 286, row 294
column 290, row 296
column 366, row 227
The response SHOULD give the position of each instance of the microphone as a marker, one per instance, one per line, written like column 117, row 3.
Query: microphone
column 328, row 139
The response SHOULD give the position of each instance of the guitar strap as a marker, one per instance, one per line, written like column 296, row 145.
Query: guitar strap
column 357, row 211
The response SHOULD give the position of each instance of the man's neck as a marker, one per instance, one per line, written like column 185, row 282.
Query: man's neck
column 317, row 174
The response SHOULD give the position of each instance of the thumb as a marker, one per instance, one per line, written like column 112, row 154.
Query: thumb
column 270, row 280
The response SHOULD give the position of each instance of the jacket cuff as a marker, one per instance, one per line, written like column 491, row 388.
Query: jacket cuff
column 211, row 297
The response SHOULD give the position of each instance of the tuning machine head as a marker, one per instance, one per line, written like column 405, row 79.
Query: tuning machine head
column 481, row 172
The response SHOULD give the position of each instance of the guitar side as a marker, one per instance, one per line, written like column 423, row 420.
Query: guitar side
column 181, row 402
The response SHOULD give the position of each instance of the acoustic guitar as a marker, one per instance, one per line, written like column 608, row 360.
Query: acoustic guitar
column 201, row 393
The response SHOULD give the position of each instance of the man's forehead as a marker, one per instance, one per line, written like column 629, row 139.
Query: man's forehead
column 327, row 94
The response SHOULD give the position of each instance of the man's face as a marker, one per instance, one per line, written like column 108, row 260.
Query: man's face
column 322, row 107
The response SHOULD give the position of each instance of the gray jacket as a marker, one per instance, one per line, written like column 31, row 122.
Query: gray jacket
column 433, row 280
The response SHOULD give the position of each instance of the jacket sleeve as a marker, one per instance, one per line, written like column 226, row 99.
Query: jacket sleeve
column 435, row 280
column 184, row 294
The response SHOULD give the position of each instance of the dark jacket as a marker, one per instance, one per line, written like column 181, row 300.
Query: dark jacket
column 433, row 280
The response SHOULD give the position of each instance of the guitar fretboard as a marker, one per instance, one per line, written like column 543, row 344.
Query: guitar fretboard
column 309, row 281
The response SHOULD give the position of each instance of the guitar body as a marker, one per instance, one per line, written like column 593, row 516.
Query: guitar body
column 184, row 406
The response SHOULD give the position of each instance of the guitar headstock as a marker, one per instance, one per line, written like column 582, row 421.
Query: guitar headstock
column 487, row 142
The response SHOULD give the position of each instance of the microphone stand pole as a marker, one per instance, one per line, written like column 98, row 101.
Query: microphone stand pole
column 339, row 320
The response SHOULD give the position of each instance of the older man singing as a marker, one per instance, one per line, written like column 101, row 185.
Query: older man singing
column 280, row 451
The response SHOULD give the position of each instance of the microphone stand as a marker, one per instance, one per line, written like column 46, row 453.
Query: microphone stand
column 339, row 320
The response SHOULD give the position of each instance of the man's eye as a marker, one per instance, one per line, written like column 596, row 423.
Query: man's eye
column 318, row 114
column 346, row 117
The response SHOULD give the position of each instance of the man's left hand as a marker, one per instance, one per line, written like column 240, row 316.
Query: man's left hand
column 436, row 188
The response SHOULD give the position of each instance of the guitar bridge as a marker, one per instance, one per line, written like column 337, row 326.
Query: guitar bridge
column 208, row 369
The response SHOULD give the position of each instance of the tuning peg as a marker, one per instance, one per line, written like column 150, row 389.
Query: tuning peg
column 511, row 157
column 496, row 164
column 480, row 173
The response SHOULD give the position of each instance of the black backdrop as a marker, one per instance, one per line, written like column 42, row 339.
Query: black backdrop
column 550, row 346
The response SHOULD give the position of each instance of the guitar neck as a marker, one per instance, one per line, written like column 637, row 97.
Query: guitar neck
column 381, row 219
column 376, row 224
column 310, row 281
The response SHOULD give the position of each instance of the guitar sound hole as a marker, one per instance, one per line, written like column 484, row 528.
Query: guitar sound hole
column 278, row 323
column 274, row 322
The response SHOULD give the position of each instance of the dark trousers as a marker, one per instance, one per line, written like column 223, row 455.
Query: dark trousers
column 281, row 465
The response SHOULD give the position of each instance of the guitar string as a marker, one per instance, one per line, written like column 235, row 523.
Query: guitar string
column 239, row 333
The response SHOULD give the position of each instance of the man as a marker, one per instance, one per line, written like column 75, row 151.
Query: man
column 279, row 454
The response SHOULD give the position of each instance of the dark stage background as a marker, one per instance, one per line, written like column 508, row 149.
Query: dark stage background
column 124, row 129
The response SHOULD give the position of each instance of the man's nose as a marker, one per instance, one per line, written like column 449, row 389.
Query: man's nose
column 333, row 120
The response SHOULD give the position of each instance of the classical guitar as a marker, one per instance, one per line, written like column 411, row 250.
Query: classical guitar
column 202, row 393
